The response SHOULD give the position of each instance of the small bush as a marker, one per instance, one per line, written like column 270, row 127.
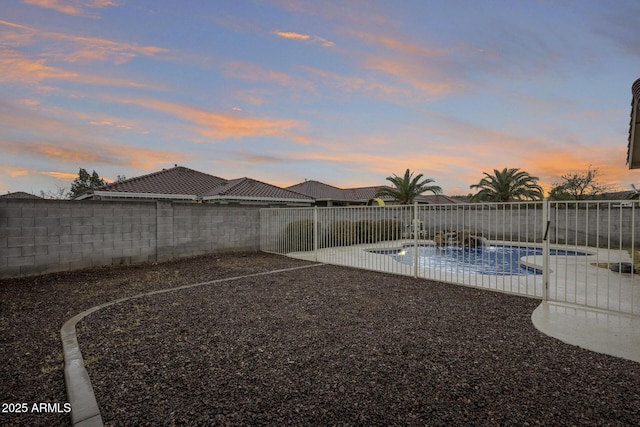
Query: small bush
column 365, row 231
column 299, row 236
column 388, row 229
column 344, row 234
column 347, row 233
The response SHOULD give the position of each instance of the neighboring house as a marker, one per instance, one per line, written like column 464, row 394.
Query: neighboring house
column 187, row 185
column 250, row 190
column 437, row 199
column 633, row 147
column 619, row 195
column 328, row 195
column 184, row 184
column 19, row 195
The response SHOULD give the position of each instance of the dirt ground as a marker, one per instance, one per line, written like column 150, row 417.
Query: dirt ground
column 324, row 345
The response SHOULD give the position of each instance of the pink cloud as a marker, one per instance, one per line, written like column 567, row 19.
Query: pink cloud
column 16, row 67
column 64, row 176
column 397, row 44
column 97, row 152
column 71, row 7
column 14, row 171
column 359, row 84
column 304, row 37
column 254, row 73
column 425, row 77
column 221, row 125
column 78, row 48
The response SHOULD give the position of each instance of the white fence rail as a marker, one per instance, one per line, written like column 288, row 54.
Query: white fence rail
column 561, row 251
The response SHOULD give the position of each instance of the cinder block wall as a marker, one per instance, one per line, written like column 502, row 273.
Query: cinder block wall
column 43, row 236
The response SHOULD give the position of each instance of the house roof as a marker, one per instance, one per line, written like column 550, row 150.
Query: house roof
column 317, row 190
column 247, row 188
column 633, row 147
column 321, row 191
column 363, row 193
column 187, row 184
column 438, row 199
column 181, row 183
column 177, row 181
column 19, row 195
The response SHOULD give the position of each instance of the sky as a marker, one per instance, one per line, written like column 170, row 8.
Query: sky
column 342, row 92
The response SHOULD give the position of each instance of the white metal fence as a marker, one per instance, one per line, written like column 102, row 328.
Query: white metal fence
column 560, row 251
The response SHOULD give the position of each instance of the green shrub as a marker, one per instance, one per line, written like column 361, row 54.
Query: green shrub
column 299, row 236
column 347, row 233
column 389, row 229
column 365, row 231
column 344, row 234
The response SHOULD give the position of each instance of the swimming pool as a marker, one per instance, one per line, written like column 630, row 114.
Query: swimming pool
column 494, row 260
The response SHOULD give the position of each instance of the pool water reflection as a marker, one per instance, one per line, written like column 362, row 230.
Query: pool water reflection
column 494, row 260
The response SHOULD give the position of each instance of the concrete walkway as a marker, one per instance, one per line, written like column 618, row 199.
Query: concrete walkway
column 596, row 330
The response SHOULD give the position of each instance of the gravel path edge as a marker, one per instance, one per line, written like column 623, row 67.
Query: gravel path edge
column 84, row 406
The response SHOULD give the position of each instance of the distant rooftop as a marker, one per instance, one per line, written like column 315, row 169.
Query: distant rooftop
column 247, row 188
column 19, row 195
column 181, row 183
column 177, row 180
column 328, row 193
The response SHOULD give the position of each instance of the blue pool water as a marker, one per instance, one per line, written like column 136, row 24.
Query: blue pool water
column 494, row 260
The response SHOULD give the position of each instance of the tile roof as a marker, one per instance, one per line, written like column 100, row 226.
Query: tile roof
column 184, row 183
column 177, row 180
column 248, row 188
column 321, row 191
column 19, row 195
column 362, row 193
column 318, row 190
column 633, row 147
column 438, row 199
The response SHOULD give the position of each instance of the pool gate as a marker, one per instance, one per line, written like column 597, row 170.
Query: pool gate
column 580, row 252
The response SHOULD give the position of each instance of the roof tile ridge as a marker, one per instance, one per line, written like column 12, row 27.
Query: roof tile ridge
column 230, row 184
column 366, row 186
column 327, row 185
column 138, row 178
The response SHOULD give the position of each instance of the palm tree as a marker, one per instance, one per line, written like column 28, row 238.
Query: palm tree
column 506, row 186
column 407, row 188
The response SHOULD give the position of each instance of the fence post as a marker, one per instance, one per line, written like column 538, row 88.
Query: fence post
column 416, row 231
column 545, row 249
column 315, row 233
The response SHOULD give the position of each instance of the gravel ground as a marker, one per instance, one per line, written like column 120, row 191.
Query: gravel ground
column 33, row 309
column 320, row 346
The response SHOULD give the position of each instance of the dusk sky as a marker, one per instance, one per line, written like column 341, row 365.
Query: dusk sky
column 343, row 92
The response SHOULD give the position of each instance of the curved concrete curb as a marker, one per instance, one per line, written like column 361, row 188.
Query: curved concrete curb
column 596, row 330
column 84, row 407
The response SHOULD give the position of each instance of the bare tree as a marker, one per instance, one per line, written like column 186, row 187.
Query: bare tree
column 59, row 194
column 578, row 186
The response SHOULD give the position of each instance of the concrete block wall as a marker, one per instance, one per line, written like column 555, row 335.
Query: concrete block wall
column 43, row 236
column 202, row 228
